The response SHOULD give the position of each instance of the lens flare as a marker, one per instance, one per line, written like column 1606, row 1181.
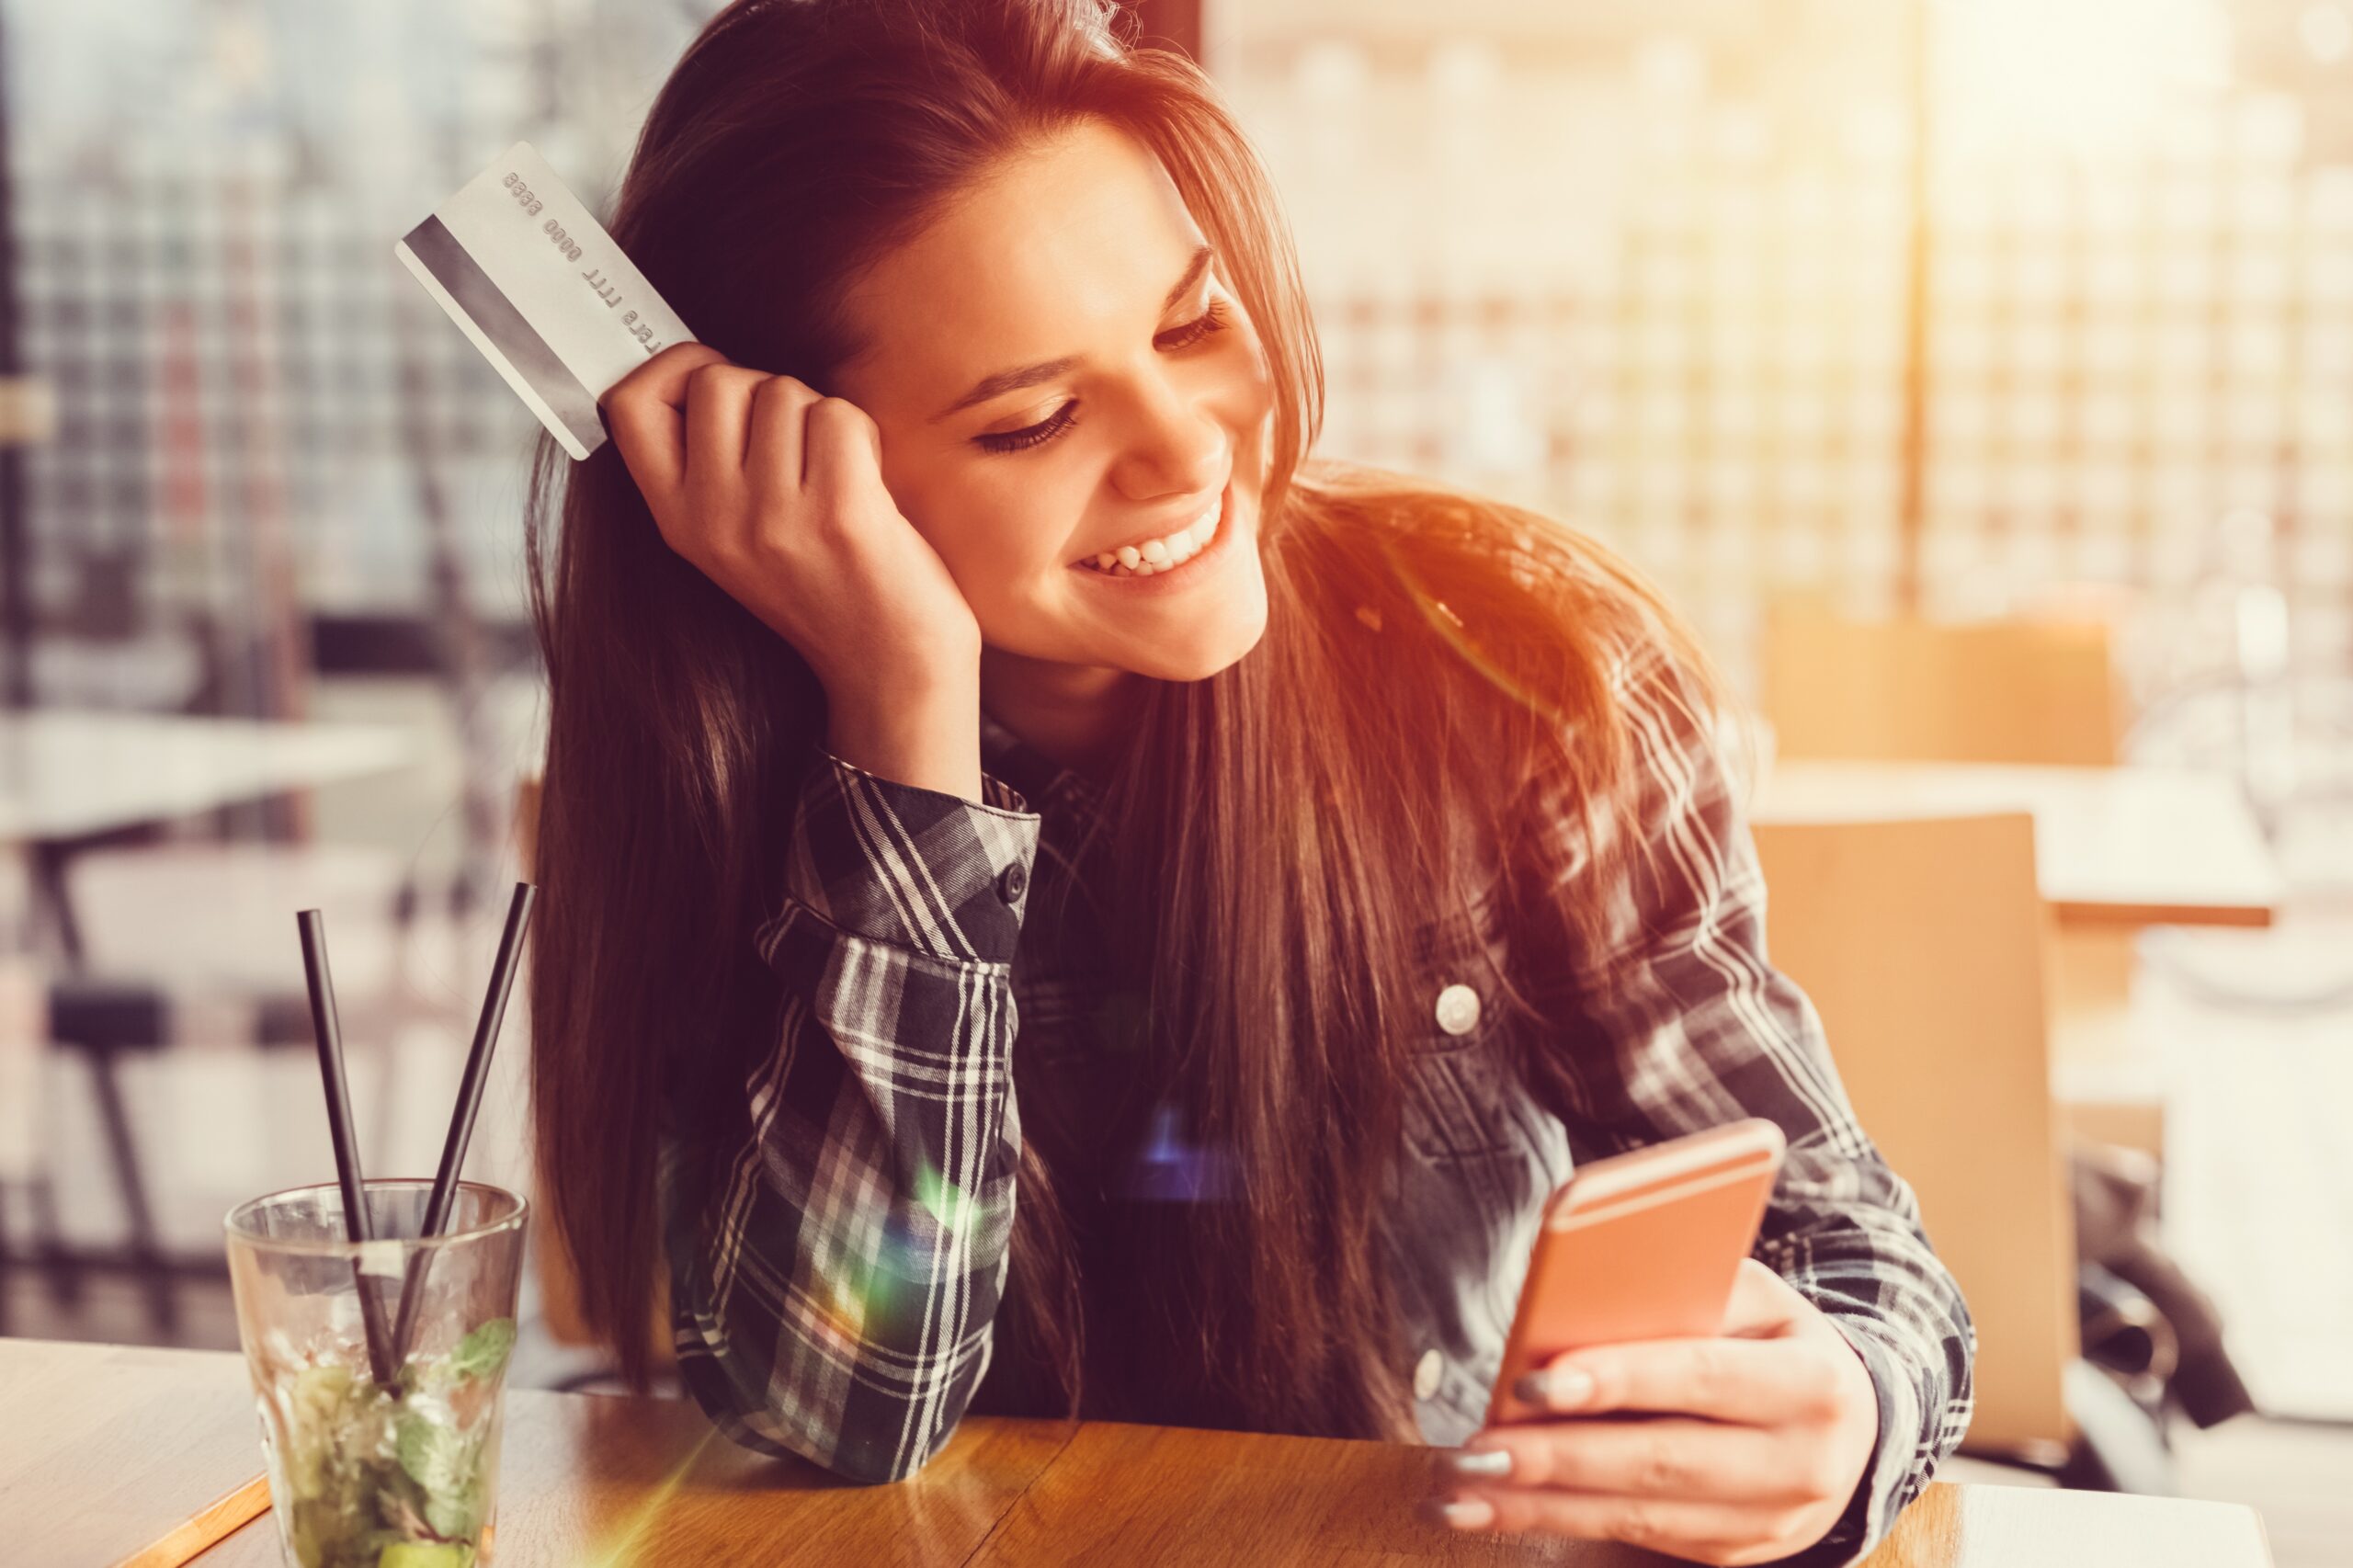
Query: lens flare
column 627, row 1545
column 946, row 1203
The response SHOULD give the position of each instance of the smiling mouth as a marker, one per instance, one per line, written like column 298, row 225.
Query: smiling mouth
column 1166, row 553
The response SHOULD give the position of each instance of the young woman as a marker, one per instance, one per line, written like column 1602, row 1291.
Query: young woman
column 1057, row 904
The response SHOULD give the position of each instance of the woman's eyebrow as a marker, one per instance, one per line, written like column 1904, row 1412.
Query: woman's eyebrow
column 1003, row 382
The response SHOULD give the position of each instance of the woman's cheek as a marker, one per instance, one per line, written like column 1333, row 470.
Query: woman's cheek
column 1012, row 545
column 1260, row 385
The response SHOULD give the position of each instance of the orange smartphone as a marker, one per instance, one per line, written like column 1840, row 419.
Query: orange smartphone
column 1641, row 1245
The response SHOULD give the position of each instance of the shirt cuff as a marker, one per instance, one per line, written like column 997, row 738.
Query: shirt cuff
column 1888, row 1482
column 911, row 867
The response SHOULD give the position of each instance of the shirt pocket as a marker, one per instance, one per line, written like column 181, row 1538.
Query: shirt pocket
column 1461, row 1077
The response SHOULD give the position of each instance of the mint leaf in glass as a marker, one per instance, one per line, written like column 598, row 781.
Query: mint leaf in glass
column 457, row 1512
column 447, row 1467
column 482, row 1352
column 392, row 1477
column 430, row 1452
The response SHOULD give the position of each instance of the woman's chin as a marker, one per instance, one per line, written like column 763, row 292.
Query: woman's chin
column 1203, row 649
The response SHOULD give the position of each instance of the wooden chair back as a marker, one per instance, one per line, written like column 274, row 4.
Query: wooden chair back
column 1921, row 945
column 2037, row 690
column 1904, row 691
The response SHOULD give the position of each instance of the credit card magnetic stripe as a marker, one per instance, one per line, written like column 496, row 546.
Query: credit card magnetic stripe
column 511, row 344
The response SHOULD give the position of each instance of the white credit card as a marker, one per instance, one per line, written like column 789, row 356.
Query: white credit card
column 543, row 290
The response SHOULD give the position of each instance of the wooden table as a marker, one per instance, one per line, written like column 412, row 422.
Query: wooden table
column 101, row 1445
column 2114, row 847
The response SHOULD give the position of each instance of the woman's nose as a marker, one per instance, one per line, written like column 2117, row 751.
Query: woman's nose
column 1180, row 446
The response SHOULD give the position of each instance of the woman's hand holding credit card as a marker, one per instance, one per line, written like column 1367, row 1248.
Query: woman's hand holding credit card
column 1661, row 1388
column 537, row 285
column 774, row 491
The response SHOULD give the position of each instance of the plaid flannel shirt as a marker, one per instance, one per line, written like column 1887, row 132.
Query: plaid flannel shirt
column 833, row 1298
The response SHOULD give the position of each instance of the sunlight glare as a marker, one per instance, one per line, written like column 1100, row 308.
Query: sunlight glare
column 2086, row 77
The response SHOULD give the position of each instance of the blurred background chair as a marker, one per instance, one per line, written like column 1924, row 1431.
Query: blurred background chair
column 2040, row 690
column 1922, row 944
column 24, row 1035
column 187, row 965
column 1914, row 690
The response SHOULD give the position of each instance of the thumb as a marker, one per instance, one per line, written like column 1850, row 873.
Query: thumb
column 1763, row 1304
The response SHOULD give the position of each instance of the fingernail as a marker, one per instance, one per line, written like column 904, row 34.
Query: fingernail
column 1560, row 1388
column 1479, row 1461
column 1468, row 1513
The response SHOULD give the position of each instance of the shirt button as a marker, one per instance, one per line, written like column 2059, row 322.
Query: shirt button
column 1457, row 1009
column 1010, row 881
column 1426, row 1372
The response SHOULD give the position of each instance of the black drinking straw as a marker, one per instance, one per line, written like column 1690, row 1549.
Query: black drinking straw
column 461, row 1118
column 347, row 1147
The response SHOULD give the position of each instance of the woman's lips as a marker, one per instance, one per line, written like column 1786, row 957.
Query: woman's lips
column 1172, row 575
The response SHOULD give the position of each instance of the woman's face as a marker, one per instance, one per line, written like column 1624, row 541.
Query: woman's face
column 1057, row 370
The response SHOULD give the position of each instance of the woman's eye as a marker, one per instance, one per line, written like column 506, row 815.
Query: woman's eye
column 1015, row 440
column 1200, row 326
column 1212, row 319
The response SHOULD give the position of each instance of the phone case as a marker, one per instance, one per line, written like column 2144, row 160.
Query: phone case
column 1641, row 1246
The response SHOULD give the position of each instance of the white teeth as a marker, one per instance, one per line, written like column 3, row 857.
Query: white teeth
column 1165, row 553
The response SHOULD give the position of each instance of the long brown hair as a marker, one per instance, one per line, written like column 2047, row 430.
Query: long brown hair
column 1428, row 653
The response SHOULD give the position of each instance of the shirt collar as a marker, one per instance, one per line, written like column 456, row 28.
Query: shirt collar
column 1039, row 778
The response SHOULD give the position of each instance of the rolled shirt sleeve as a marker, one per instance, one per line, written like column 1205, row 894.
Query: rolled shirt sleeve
column 834, row 1296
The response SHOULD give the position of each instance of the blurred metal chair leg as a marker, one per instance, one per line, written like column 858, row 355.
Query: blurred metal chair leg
column 61, row 1271
column 144, row 1249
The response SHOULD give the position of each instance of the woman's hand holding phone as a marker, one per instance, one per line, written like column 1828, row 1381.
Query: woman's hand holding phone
column 775, row 492
column 1750, row 1447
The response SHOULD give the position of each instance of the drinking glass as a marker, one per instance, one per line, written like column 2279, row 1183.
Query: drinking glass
column 363, row 1473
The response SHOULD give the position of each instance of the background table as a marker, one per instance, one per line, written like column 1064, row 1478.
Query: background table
column 2131, row 845
column 70, row 780
column 101, row 1447
column 71, row 773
